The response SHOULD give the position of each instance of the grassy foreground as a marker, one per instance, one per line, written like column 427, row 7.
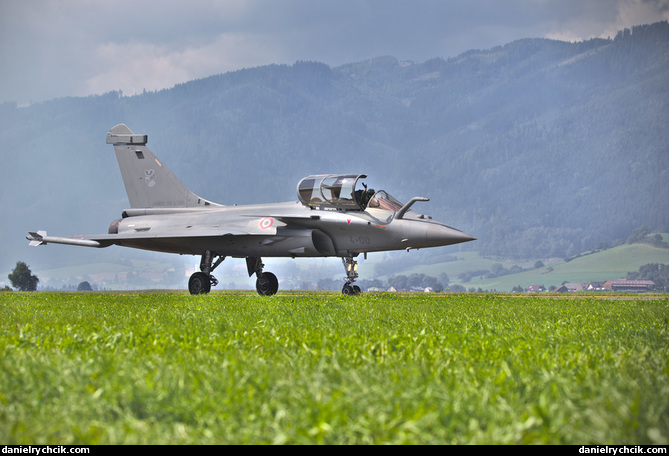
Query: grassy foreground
column 124, row 368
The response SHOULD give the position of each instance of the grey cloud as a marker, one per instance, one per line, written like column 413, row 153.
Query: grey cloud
column 57, row 48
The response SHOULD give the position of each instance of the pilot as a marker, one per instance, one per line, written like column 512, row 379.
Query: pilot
column 368, row 196
column 363, row 196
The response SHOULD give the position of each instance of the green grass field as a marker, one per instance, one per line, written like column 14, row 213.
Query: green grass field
column 235, row 368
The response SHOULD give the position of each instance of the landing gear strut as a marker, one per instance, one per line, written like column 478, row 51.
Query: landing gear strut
column 201, row 282
column 266, row 282
column 351, row 267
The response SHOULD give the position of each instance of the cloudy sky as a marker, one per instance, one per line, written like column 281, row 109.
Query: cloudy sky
column 57, row 48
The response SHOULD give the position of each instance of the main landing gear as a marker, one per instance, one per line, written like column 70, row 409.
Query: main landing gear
column 266, row 282
column 351, row 267
column 202, row 281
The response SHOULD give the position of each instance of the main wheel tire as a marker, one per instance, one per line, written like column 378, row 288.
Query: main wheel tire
column 267, row 284
column 199, row 283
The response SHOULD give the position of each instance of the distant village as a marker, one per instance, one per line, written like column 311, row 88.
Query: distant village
column 620, row 285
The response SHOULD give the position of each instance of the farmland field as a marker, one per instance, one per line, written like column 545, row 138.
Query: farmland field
column 166, row 367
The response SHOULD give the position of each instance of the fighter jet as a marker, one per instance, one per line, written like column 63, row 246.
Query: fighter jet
column 334, row 216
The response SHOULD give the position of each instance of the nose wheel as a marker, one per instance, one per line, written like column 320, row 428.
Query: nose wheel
column 351, row 268
column 350, row 289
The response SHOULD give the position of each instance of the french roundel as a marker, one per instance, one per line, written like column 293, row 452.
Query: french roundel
column 266, row 223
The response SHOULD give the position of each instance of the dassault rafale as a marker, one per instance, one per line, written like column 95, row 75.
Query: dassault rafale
column 333, row 217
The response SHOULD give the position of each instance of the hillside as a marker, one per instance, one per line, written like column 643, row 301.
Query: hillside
column 539, row 148
column 604, row 265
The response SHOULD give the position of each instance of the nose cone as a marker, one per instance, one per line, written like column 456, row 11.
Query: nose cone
column 438, row 234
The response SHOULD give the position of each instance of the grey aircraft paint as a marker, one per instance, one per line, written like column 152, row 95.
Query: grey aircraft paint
column 333, row 217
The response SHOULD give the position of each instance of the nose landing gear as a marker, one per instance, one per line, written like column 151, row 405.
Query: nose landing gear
column 351, row 267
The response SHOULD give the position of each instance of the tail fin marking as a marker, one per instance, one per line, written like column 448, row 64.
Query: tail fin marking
column 148, row 183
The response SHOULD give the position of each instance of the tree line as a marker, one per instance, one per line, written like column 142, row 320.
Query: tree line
column 23, row 279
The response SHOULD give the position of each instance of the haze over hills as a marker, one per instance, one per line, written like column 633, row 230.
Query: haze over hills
column 539, row 148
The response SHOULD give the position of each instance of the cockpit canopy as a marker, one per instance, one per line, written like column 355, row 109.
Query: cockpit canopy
column 331, row 191
column 338, row 191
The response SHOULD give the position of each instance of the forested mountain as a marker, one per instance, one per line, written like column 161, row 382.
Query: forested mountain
column 538, row 148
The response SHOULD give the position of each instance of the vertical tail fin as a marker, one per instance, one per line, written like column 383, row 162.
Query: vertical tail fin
column 148, row 182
